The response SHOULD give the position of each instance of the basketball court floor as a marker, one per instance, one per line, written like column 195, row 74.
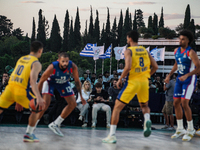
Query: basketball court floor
column 76, row 138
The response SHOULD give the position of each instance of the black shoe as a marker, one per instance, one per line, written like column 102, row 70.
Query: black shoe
column 46, row 119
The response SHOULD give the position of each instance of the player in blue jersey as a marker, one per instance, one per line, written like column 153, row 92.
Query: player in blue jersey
column 187, row 65
column 57, row 77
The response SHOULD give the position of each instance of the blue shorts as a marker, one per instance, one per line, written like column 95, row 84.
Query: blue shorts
column 185, row 89
column 64, row 89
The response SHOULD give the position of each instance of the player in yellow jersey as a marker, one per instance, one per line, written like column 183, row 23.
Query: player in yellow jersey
column 25, row 74
column 137, row 71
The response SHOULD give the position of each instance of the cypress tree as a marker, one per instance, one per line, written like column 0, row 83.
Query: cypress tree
column 96, row 27
column 33, row 31
column 187, row 17
column 114, row 33
column 41, row 35
column 77, row 27
column 161, row 22
column 71, row 37
column 91, row 27
column 65, row 45
column 55, row 39
column 191, row 27
column 150, row 23
column 130, row 22
column 126, row 28
column 120, row 27
column 139, row 18
column 135, row 22
column 103, row 35
column 107, row 30
column 155, row 24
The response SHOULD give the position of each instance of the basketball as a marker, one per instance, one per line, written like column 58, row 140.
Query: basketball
column 32, row 106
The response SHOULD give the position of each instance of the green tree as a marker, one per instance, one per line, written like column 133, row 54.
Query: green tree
column 96, row 27
column 4, row 61
column 41, row 35
column 33, row 31
column 120, row 27
column 65, row 45
column 187, row 17
column 71, row 37
column 107, row 43
column 161, row 22
column 91, row 27
column 179, row 27
column 126, row 28
column 55, row 38
column 191, row 27
column 155, row 24
column 150, row 23
column 5, row 26
column 167, row 33
column 114, row 34
column 135, row 22
column 103, row 35
column 139, row 18
column 77, row 27
column 130, row 22
column 18, row 33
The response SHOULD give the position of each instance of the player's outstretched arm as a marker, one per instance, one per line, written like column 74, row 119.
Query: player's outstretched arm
column 154, row 65
column 195, row 60
column 45, row 76
column 36, row 68
column 77, row 82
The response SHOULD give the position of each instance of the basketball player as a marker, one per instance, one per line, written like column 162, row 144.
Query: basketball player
column 25, row 74
column 137, row 69
column 187, row 63
column 57, row 76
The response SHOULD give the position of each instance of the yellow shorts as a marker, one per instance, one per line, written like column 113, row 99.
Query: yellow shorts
column 132, row 87
column 16, row 94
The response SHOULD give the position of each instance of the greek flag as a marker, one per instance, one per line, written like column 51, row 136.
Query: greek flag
column 158, row 54
column 88, row 50
column 107, row 54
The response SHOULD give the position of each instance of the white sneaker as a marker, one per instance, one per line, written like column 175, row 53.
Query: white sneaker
column 198, row 132
column 188, row 135
column 80, row 118
column 110, row 139
column 55, row 128
column 108, row 125
column 84, row 125
column 171, row 128
column 93, row 125
column 147, row 128
column 178, row 133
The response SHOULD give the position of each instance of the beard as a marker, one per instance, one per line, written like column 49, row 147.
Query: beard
column 63, row 67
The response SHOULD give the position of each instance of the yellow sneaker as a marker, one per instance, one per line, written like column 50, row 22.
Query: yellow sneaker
column 198, row 132
column 188, row 135
column 178, row 133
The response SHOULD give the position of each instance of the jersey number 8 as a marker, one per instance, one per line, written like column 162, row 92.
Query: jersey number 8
column 141, row 61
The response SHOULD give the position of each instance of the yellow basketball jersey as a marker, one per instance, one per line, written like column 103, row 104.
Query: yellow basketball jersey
column 140, row 68
column 21, row 74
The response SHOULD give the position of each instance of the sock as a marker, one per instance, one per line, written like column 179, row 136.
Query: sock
column 112, row 130
column 146, row 117
column 37, row 123
column 180, row 124
column 59, row 120
column 30, row 129
column 190, row 125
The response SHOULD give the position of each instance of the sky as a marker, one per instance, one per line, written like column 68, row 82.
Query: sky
column 21, row 12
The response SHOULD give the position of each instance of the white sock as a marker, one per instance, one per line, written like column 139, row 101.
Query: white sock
column 190, row 125
column 112, row 129
column 37, row 123
column 180, row 124
column 146, row 117
column 30, row 129
column 59, row 120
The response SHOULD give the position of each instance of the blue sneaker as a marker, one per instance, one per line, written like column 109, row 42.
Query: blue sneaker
column 30, row 138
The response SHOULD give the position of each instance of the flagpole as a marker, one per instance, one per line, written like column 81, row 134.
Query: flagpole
column 95, row 71
column 103, row 60
column 110, row 58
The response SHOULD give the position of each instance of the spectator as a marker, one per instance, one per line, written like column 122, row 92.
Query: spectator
column 114, row 91
column 116, row 76
column 85, row 77
column 151, row 85
column 99, row 80
column 4, row 83
column 114, row 72
column 106, row 80
column 86, row 90
column 121, row 68
column 168, row 107
column 9, row 69
column 100, row 98
column 93, row 79
column 158, row 84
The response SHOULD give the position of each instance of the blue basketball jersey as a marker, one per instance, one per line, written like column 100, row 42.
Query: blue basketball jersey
column 59, row 76
column 184, row 62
